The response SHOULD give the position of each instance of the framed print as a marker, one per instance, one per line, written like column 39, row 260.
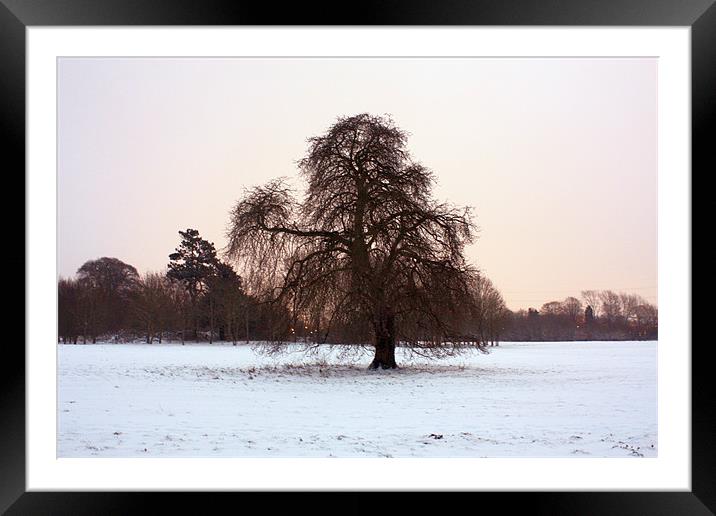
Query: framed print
column 412, row 249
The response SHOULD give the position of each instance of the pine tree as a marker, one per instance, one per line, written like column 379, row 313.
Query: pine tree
column 192, row 264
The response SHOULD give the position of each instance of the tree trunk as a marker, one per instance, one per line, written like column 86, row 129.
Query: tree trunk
column 194, row 320
column 384, row 355
column 183, row 327
column 384, row 343
column 211, row 320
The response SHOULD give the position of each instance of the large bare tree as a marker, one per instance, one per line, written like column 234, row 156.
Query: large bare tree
column 366, row 248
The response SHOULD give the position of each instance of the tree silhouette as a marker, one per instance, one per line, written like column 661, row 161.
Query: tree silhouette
column 191, row 264
column 227, row 300
column 366, row 248
column 152, row 305
column 589, row 315
column 106, row 287
column 69, row 316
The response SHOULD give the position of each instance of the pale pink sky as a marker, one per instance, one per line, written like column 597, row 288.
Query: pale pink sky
column 558, row 156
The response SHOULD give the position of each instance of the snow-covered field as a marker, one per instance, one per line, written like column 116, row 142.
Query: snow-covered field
column 575, row 399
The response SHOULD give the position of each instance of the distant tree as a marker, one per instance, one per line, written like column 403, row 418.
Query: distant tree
column 489, row 313
column 589, row 315
column 516, row 326
column 368, row 245
column 534, row 324
column 68, row 310
column 106, row 286
column 593, row 299
column 152, row 305
column 572, row 308
column 228, row 303
column 89, row 311
column 552, row 308
column 552, row 321
column 110, row 275
column 181, row 309
column 647, row 320
column 629, row 303
column 192, row 263
column 611, row 307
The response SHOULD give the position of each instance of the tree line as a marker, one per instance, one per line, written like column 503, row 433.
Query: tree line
column 201, row 298
column 599, row 315
column 198, row 297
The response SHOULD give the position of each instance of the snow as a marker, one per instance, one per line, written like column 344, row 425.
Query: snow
column 569, row 399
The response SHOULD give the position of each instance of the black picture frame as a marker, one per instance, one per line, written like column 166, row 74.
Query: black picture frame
column 17, row 15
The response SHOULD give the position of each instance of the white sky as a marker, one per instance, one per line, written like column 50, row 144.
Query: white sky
column 558, row 156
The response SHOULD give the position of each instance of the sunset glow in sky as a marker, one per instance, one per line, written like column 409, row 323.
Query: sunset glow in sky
column 558, row 157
